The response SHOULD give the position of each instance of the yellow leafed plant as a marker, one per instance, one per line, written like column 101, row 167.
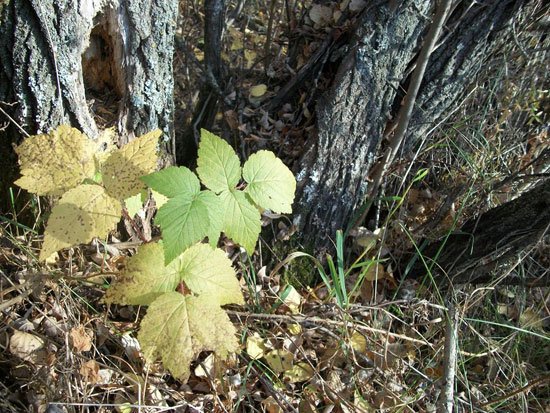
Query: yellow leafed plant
column 92, row 184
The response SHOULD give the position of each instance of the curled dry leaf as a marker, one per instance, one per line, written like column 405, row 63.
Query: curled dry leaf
column 90, row 372
column 27, row 346
column 80, row 339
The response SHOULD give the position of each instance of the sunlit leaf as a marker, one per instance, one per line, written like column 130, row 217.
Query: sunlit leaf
column 55, row 162
column 123, row 168
column 173, row 181
column 81, row 214
column 186, row 219
column 177, row 328
column 271, row 185
column 219, row 167
column 144, row 278
column 241, row 219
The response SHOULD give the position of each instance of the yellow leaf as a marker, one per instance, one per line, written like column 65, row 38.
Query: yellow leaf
column 280, row 360
column 255, row 346
column 81, row 214
column 294, row 329
column 358, row 342
column 177, row 328
column 53, row 163
column 258, row 90
column 123, row 168
column 299, row 372
column 105, row 143
column 293, row 299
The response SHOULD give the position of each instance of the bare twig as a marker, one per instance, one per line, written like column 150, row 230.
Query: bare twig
column 300, row 319
column 446, row 402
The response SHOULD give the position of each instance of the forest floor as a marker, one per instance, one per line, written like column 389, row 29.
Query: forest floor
column 376, row 343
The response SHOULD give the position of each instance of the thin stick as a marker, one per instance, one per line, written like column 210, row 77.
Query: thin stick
column 300, row 319
column 451, row 338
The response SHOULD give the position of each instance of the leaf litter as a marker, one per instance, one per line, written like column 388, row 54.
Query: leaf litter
column 321, row 358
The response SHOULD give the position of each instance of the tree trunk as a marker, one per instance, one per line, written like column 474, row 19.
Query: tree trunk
column 484, row 243
column 91, row 64
column 358, row 112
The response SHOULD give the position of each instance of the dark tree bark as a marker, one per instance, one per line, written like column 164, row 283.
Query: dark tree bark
column 213, row 83
column 58, row 57
column 358, row 113
column 488, row 241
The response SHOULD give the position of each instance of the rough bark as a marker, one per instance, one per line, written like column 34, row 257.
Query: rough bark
column 486, row 242
column 357, row 113
column 59, row 56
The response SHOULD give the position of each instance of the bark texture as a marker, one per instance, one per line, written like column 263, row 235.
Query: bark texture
column 58, row 56
column 484, row 243
column 366, row 95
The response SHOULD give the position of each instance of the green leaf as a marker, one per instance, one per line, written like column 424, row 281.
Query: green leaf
column 219, row 167
column 242, row 220
column 177, row 328
column 173, row 181
column 208, row 271
column 204, row 270
column 186, row 219
column 271, row 185
column 124, row 167
column 53, row 163
column 81, row 214
column 144, row 278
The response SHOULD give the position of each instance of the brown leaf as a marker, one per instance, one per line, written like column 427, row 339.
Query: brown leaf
column 90, row 372
column 80, row 339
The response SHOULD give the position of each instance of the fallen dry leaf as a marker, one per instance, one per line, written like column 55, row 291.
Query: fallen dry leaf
column 80, row 339
column 90, row 372
column 27, row 346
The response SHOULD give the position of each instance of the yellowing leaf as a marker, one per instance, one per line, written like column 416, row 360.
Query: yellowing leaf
column 241, row 219
column 123, row 168
column 134, row 204
column 279, row 360
column 53, row 163
column 258, row 90
column 205, row 271
column 105, row 143
column 299, row 372
column 358, row 342
column 177, row 328
column 255, row 346
column 144, row 278
column 160, row 199
column 292, row 299
column 208, row 272
column 81, row 214
column 218, row 167
column 294, row 329
column 271, row 185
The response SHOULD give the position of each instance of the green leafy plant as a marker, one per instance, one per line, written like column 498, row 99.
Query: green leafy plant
column 92, row 178
column 226, row 205
column 182, row 280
